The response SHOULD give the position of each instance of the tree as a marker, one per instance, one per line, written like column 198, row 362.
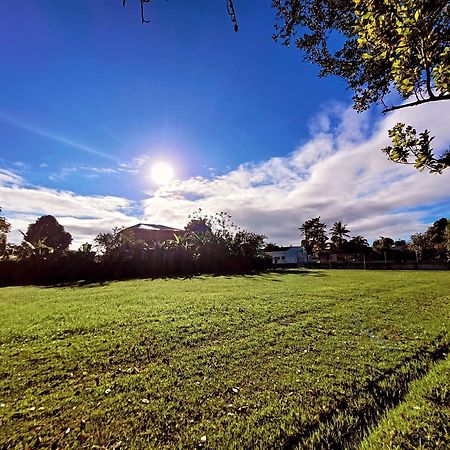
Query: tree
column 5, row 227
column 39, row 249
column 401, row 243
column 198, row 223
column 47, row 231
column 406, row 143
column 437, row 238
column 420, row 245
column 447, row 240
column 271, row 247
column 247, row 244
column 314, row 236
column 218, row 230
column 357, row 244
column 339, row 232
column 383, row 244
column 118, row 244
column 359, row 240
column 434, row 243
column 85, row 248
column 400, row 44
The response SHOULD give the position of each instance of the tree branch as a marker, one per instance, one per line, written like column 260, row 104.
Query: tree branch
column 142, row 11
column 418, row 102
column 232, row 14
column 143, row 20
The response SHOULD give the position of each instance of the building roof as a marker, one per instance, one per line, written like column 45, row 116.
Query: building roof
column 285, row 249
column 151, row 227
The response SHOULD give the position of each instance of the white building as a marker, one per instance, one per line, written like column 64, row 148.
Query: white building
column 288, row 255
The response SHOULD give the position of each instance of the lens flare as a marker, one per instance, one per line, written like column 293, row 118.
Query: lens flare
column 161, row 173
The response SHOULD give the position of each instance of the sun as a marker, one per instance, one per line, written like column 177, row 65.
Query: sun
column 161, row 173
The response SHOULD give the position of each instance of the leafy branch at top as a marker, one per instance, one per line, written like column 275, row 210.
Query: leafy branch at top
column 406, row 143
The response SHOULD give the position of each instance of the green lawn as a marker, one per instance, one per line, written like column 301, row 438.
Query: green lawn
column 302, row 359
column 422, row 420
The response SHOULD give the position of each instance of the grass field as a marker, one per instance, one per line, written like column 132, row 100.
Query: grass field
column 302, row 359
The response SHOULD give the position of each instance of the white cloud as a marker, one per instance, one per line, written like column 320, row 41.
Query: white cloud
column 9, row 177
column 339, row 173
column 83, row 216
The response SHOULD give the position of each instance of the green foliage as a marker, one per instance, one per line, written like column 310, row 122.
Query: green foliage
column 210, row 244
column 419, row 244
column 434, row 243
column 85, row 248
column 403, row 44
column 438, row 238
column 384, row 43
column 447, row 239
column 198, row 224
column 406, row 144
column 47, row 233
column 383, row 244
column 119, row 245
column 412, row 38
column 338, row 234
column 356, row 245
column 314, row 236
column 5, row 227
column 359, row 240
column 263, row 361
column 218, row 234
column 271, row 247
column 39, row 249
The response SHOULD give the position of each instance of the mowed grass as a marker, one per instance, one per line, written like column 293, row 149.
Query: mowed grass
column 302, row 359
column 422, row 420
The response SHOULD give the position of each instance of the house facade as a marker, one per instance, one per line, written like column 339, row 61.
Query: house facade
column 293, row 255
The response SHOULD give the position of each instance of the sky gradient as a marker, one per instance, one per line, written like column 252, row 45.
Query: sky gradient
column 91, row 99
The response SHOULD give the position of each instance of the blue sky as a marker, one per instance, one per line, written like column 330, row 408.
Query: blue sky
column 91, row 98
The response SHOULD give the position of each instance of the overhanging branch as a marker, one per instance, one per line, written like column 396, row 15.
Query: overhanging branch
column 143, row 19
column 232, row 14
column 418, row 102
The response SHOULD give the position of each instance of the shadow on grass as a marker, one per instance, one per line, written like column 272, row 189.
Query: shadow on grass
column 254, row 275
column 77, row 284
column 273, row 272
column 346, row 425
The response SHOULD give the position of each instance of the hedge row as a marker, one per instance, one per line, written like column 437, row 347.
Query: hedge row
column 85, row 268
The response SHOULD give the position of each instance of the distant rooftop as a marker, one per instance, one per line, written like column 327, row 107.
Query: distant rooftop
column 283, row 249
column 152, row 227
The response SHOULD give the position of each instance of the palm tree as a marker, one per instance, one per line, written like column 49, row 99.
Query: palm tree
column 359, row 240
column 339, row 233
column 382, row 245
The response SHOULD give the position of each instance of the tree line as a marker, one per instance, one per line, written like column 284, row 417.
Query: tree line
column 433, row 243
column 209, row 244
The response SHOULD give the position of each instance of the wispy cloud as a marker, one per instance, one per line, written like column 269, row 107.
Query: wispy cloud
column 10, row 178
column 53, row 136
column 88, row 171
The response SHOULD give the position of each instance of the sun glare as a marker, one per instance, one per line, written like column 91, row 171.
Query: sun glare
column 161, row 173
